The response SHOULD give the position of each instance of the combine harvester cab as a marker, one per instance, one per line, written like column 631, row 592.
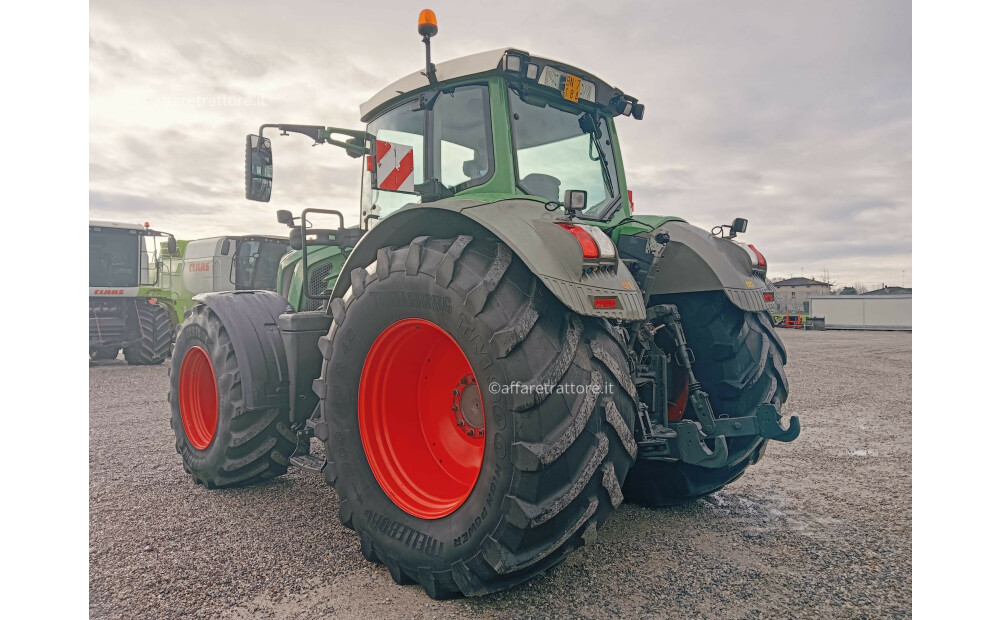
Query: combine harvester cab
column 507, row 352
column 226, row 263
column 131, row 306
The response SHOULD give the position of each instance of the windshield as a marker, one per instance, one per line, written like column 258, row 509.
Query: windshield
column 114, row 258
column 556, row 150
column 255, row 265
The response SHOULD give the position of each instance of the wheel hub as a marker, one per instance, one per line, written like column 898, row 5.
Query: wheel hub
column 467, row 407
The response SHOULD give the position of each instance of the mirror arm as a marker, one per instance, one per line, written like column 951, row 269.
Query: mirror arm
column 316, row 132
column 353, row 150
column 323, row 135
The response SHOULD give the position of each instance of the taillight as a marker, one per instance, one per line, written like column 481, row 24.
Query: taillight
column 605, row 303
column 769, row 297
column 592, row 239
column 760, row 257
column 586, row 242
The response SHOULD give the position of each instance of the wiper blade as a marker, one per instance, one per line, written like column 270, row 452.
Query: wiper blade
column 604, row 163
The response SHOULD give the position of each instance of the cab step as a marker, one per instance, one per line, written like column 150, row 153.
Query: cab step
column 308, row 462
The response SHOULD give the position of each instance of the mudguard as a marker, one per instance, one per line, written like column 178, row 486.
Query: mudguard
column 251, row 320
column 528, row 230
column 693, row 260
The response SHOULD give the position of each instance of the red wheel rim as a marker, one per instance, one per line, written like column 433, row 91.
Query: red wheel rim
column 198, row 396
column 421, row 418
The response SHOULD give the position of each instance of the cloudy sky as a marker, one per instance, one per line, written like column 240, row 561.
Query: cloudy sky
column 794, row 114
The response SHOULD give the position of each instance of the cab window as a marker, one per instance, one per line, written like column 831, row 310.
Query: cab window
column 451, row 136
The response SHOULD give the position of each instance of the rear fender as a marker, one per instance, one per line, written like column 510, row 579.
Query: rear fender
column 693, row 261
column 528, row 230
column 251, row 320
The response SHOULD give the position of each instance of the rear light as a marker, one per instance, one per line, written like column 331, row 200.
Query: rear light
column 768, row 297
column 604, row 244
column 587, row 243
column 760, row 257
column 592, row 239
column 605, row 303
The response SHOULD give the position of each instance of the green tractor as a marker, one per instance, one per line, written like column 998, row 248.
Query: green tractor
column 131, row 306
column 506, row 353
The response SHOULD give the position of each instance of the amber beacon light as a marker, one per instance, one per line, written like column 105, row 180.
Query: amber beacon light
column 427, row 23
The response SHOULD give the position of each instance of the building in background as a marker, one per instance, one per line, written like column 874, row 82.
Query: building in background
column 794, row 293
column 890, row 290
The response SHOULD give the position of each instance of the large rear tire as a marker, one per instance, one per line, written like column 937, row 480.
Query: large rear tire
column 528, row 475
column 151, row 331
column 739, row 360
column 222, row 443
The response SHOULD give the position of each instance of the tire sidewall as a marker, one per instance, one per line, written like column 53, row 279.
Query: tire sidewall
column 456, row 536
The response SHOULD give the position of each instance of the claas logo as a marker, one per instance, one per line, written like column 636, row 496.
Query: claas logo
column 205, row 266
column 109, row 291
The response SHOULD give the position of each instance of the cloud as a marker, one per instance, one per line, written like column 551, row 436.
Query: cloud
column 795, row 115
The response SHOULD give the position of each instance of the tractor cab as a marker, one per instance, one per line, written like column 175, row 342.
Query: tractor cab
column 491, row 126
column 498, row 123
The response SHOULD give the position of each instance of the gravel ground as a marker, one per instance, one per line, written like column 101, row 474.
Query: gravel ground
column 821, row 527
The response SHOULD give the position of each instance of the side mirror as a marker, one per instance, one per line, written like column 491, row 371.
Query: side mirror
column 225, row 247
column 739, row 225
column 259, row 168
column 171, row 245
column 285, row 217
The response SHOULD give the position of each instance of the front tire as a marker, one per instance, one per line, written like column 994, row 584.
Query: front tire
column 151, row 330
column 739, row 360
column 222, row 443
column 541, row 470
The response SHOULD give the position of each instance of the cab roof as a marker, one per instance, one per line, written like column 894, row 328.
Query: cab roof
column 466, row 66
column 122, row 225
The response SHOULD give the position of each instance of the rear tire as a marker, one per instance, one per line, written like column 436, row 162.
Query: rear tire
column 151, row 331
column 222, row 443
column 739, row 360
column 552, row 463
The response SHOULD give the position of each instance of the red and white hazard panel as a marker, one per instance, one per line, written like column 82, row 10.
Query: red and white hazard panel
column 394, row 166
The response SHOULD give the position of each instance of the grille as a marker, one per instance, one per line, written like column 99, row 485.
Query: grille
column 107, row 322
column 318, row 285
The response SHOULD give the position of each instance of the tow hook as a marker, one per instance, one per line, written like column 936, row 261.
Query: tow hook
column 766, row 423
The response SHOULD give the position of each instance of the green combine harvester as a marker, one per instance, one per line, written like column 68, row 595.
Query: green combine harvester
column 506, row 352
column 131, row 306
column 225, row 263
column 142, row 282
